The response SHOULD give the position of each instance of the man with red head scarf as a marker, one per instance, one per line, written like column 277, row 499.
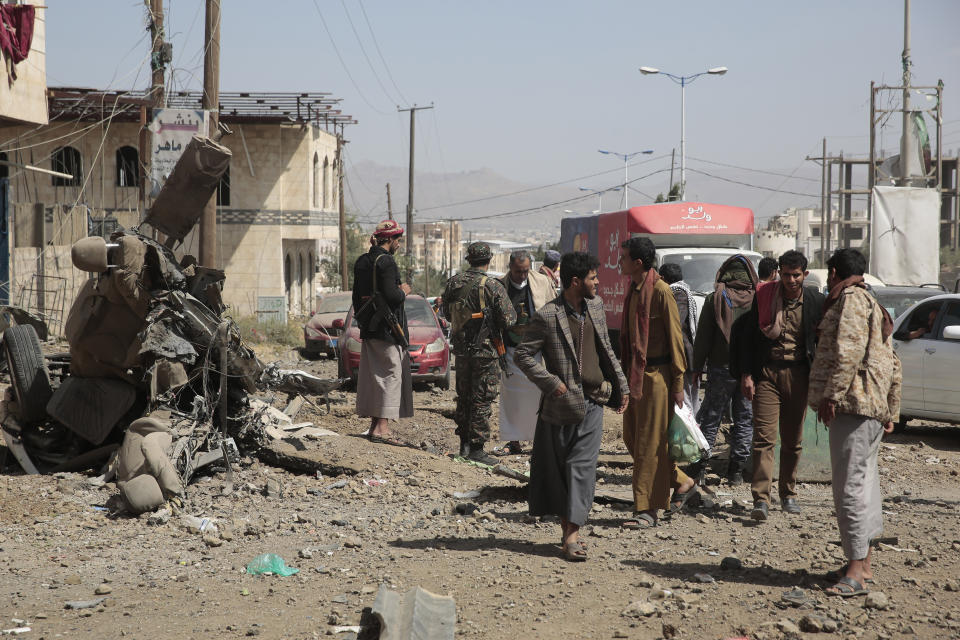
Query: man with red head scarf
column 384, row 386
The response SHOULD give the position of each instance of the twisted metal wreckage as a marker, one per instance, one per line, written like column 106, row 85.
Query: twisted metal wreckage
column 157, row 379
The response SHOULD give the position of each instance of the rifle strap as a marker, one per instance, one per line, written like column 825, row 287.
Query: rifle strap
column 375, row 261
column 483, row 291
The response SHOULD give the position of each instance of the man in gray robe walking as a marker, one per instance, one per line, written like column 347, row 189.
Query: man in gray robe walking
column 578, row 375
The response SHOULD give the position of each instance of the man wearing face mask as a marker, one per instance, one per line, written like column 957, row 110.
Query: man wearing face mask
column 519, row 398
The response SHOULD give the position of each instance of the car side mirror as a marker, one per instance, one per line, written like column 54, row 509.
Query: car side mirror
column 338, row 323
column 952, row 332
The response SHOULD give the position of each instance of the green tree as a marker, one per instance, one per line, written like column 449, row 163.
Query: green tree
column 672, row 195
column 540, row 252
column 358, row 242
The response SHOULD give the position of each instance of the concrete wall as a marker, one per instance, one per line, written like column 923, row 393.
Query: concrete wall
column 25, row 99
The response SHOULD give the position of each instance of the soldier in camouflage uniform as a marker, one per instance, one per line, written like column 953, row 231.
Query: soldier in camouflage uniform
column 855, row 388
column 478, row 368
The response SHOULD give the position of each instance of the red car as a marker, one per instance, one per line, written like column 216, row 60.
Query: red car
column 429, row 349
column 322, row 331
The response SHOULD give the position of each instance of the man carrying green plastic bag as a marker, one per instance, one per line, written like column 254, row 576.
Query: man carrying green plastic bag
column 686, row 443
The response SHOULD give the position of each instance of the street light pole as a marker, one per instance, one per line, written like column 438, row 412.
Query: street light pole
column 626, row 179
column 599, row 193
column 683, row 81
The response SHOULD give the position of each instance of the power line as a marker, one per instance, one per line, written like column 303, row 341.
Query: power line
column 753, row 186
column 541, row 207
column 771, row 173
column 343, row 63
column 380, row 53
column 363, row 50
column 529, row 189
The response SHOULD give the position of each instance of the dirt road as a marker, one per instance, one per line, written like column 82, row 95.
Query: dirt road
column 395, row 521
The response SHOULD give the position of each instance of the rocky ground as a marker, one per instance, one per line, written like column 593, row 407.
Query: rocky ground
column 413, row 516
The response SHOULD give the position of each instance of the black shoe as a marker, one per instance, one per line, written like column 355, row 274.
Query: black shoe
column 477, row 454
column 790, row 505
column 735, row 474
column 759, row 512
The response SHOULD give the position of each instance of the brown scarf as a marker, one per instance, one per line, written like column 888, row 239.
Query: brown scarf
column 731, row 293
column 633, row 345
column 856, row 281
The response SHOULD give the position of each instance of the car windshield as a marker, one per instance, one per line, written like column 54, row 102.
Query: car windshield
column 334, row 304
column 896, row 302
column 700, row 269
column 419, row 313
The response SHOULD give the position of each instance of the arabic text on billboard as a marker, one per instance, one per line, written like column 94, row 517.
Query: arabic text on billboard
column 172, row 130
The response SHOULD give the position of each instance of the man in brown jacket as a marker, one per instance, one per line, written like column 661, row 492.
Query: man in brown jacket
column 855, row 388
column 653, row 359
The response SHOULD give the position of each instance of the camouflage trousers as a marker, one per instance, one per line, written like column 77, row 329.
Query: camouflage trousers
column 478, row 383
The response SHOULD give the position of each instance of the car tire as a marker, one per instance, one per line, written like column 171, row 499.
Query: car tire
column 28, row 373
column 445, row 381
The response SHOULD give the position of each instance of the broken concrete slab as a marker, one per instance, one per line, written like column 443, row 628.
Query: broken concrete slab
column 414, row 615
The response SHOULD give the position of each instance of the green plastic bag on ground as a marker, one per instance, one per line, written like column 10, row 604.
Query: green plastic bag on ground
column 270, row 563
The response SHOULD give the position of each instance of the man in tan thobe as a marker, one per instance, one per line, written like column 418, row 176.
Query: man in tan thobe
column 651, row 348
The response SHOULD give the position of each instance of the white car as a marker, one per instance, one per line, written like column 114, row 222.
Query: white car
column 926, row 337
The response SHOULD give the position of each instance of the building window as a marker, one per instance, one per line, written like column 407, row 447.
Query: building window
column 223, row 189
column 316, row 181
column 4, row 169
column 326, row 183
column 815, row 232
column 67, row 160
column 286, row 276
column 127, row 166
column 855, row 233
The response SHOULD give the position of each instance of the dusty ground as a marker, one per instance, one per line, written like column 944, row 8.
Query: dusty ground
column 395, row 523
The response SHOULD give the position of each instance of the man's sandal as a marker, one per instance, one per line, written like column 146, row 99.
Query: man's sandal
column 679, row 500
column 834, row 576
column 574, row 552
column 640, row 521
column 847, row 588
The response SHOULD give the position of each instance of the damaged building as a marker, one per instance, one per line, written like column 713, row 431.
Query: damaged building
column 276, row 204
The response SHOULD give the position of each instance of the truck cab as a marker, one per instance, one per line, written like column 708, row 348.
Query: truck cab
column 696, row 235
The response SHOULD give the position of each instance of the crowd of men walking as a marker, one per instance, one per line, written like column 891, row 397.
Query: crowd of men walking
column 769, row 347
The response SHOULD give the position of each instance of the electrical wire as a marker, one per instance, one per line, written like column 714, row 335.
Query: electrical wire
column 546, row 186
column 380, row 53
column 753, row 186
column 764, row 171
column 363, row 50
column 343, row 62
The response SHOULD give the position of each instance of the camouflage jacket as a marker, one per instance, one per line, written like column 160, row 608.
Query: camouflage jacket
column 466, row 286
column 854, row 366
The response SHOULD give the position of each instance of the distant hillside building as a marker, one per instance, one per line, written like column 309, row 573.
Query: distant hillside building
column 802, row 228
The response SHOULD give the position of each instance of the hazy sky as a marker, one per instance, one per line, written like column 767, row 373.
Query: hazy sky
column 532, row 89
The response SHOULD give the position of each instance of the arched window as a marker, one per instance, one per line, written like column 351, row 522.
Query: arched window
column 316, row 181
column 286, row 275
column 4, row 169
column 223, row 189
column 127, row 166
column 67, row 160
column 326, row 183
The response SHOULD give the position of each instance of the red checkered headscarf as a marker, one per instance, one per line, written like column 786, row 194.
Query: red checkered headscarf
column 388, row 229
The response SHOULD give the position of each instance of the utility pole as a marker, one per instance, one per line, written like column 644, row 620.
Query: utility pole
column 211, row 102
column 389, row 204
column 344, row 276
column 450, row 251
column 408, row 247
column 426, row 263
column 824, row 190
column 160, row 55
column 908, row 159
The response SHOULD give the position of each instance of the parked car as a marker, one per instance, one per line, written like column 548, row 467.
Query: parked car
column 322, row 331
column 429, row 349
column 926, row 337
column 896, row 299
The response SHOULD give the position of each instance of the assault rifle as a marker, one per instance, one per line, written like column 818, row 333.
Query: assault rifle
column 383, row 313
column 488, row 332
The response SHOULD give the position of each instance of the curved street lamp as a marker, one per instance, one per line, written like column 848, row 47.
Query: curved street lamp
column 683, row 81
column 599, row 193
column 626, row 157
